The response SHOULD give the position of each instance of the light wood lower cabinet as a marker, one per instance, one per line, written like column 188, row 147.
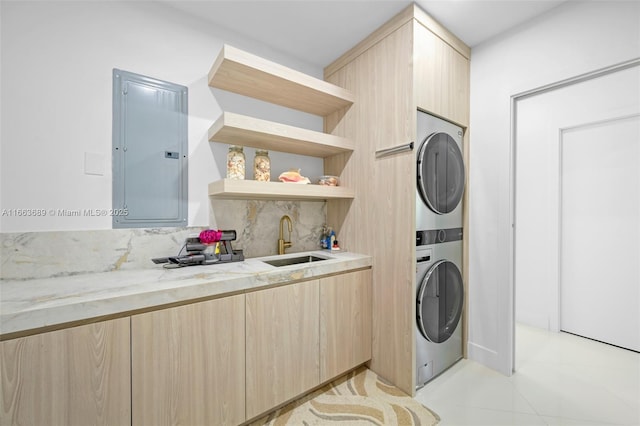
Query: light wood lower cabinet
column 282, row 344
column 188, row 364
column 76, row 376
column 218, row 362
column 345, row 322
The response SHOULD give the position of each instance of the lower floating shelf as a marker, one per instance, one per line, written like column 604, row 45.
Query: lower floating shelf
column 254, row 190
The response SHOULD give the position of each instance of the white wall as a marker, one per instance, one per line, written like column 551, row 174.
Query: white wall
column 56, row 99
column 572, row 39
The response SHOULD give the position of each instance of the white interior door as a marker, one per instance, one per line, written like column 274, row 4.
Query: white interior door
column 576, row 224
column 600, row 258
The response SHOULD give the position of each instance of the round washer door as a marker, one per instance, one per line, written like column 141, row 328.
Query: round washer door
column 440, row 173
column 440, row 300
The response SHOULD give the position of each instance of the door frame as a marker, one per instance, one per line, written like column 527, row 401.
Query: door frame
column 510, row 326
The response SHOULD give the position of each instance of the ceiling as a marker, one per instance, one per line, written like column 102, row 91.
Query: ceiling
column 319, row 31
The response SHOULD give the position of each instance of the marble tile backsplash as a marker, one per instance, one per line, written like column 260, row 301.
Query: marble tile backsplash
column 257, row 224
column 29, row 255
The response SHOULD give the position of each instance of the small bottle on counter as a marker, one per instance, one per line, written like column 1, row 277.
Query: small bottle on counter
column 235, row 163
column 262, row 166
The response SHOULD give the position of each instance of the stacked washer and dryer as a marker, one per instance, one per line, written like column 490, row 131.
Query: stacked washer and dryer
column 439, row 222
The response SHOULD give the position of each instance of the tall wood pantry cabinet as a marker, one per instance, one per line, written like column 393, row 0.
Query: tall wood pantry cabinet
column 409, row 63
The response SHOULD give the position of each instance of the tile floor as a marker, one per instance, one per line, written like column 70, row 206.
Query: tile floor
column 560, row 379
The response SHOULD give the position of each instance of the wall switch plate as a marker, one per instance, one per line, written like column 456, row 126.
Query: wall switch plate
column 93, row 164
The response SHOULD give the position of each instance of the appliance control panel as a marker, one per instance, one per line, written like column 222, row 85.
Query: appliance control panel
column 436, row 236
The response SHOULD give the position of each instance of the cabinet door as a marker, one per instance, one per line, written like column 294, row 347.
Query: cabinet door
column 76, row 376
column 188, row 364
column 441, row 77
column 345, row 322
column 282, row 344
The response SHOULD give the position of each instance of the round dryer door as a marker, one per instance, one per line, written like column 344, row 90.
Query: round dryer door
column 440, row 301
column 440, row 173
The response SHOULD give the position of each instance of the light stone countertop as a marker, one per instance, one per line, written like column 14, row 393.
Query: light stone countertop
column 40, row 303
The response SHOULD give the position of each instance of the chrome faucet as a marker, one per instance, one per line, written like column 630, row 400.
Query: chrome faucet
column 282, row 244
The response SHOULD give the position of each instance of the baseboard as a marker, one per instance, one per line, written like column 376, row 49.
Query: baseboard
column 485, row 356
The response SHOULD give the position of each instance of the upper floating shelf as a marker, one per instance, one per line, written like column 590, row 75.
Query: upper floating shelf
column 236, row 129
column 241, row 72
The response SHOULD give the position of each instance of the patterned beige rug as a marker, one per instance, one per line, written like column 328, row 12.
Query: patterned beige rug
column 359, row 398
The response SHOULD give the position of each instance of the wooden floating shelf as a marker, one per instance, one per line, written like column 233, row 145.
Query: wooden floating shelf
column 236, row 129
column 241, row 72
column 254, row 190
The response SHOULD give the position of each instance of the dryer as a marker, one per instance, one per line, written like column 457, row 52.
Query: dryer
column 439, row 302
column 439, row 288
column 440, row 173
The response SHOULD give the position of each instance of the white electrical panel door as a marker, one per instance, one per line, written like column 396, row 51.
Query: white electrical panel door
column 149, row 152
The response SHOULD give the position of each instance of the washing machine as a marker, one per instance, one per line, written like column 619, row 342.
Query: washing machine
column 440, row 174
column 439, row 301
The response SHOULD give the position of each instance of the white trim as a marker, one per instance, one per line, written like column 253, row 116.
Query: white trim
column 484, row 356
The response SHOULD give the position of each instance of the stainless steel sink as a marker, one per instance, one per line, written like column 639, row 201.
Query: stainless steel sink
column 294, row 260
